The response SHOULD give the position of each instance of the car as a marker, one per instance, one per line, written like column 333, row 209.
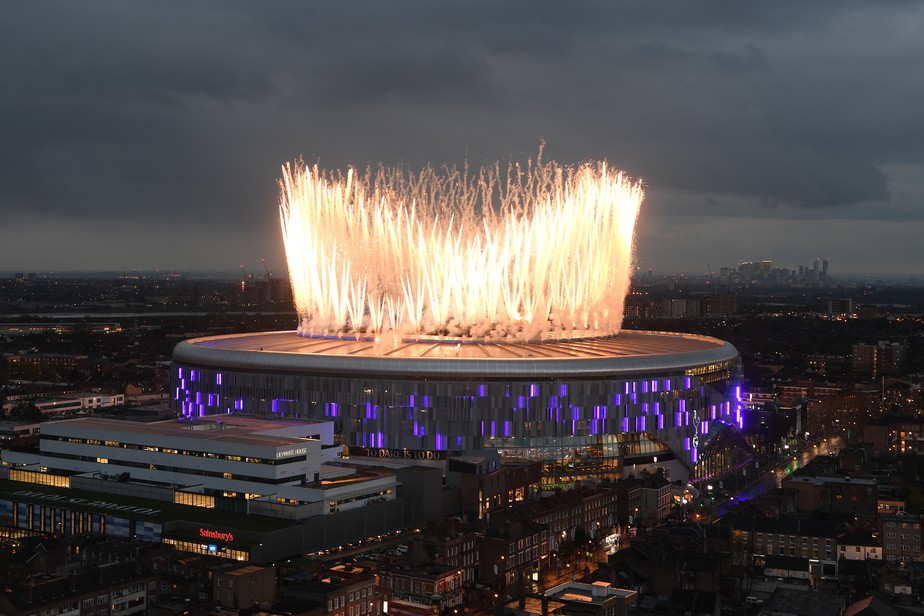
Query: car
column 401, row 549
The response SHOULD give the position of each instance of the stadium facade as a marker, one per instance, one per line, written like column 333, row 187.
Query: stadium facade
column 586, row 407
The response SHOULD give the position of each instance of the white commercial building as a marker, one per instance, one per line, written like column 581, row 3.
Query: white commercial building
column 279, row 467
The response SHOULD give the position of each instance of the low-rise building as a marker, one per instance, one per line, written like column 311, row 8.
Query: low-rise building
column 895, row 434
column 78, row 403
column 277, row 467
column 438, row 586
column 159, row 482
column 10, row 430
column 244, row 586
column 802, row 603
column 655, row 497
column 114, row 590
column 453, row 544
column 628, row 500
column 487, row 485
column 901, row 537
column 574, row 515
column 815, row 540
column 511, row 551
column 597, row 599
column 835, row 494
column 45, row 366
column 859, row 545
column 339, row 590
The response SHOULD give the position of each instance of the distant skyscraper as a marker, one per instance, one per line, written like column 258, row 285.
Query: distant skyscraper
column 842, row 306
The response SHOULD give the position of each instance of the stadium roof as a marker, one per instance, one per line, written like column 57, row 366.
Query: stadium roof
column 627, row 354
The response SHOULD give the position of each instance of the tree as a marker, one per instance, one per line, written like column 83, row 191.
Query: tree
column 915, row 501
column 27, row 411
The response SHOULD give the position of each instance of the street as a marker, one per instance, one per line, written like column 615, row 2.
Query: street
column 772, row 476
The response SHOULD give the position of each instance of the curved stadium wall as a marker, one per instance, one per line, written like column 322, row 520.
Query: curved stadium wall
column 583, row 407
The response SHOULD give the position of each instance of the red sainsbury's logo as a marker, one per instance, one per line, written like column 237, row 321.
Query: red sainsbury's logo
column 205, row 533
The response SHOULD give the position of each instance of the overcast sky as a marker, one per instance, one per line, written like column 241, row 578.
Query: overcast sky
column 150, row 135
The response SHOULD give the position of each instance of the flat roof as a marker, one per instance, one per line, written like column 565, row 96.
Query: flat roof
column 629, row 352
column 804, row 603
column 579, row 591
column 820, row 480
column 245, row 570
column 243, row 429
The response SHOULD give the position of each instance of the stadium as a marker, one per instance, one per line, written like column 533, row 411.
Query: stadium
column 442, row 314
column 587, row 407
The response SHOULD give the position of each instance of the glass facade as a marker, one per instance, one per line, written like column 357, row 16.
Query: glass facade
column 65, row 522
column 207, row 549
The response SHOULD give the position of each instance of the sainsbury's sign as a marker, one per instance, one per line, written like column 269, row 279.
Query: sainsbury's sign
column 207, row 533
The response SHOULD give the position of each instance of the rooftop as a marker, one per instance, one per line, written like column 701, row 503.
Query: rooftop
column 820, row 480
column 627, row 353
column 598, row 592
column 244, row 429
column 245, row 570
column 55, row 589
column 804, row 603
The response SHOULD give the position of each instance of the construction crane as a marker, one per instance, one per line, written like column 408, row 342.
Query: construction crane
column 269, row 274
column 243, row 278
column 246, row 286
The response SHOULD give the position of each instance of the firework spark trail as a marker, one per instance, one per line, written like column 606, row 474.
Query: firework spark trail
column 544, row 251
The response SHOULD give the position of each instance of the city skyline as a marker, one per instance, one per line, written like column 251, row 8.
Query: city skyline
column 151, row 137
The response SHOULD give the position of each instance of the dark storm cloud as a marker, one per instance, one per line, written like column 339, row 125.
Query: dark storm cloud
column 370, row 74
column 109, row 106
column 750, row 60
column 185, row 111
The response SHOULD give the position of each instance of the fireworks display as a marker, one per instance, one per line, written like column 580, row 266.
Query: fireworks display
column 510, row 252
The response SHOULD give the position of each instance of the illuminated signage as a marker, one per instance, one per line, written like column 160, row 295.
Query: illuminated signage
column 207, row 533
column 88, row 502
column 695, row 429
column 398, row 454
column 292, row 452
